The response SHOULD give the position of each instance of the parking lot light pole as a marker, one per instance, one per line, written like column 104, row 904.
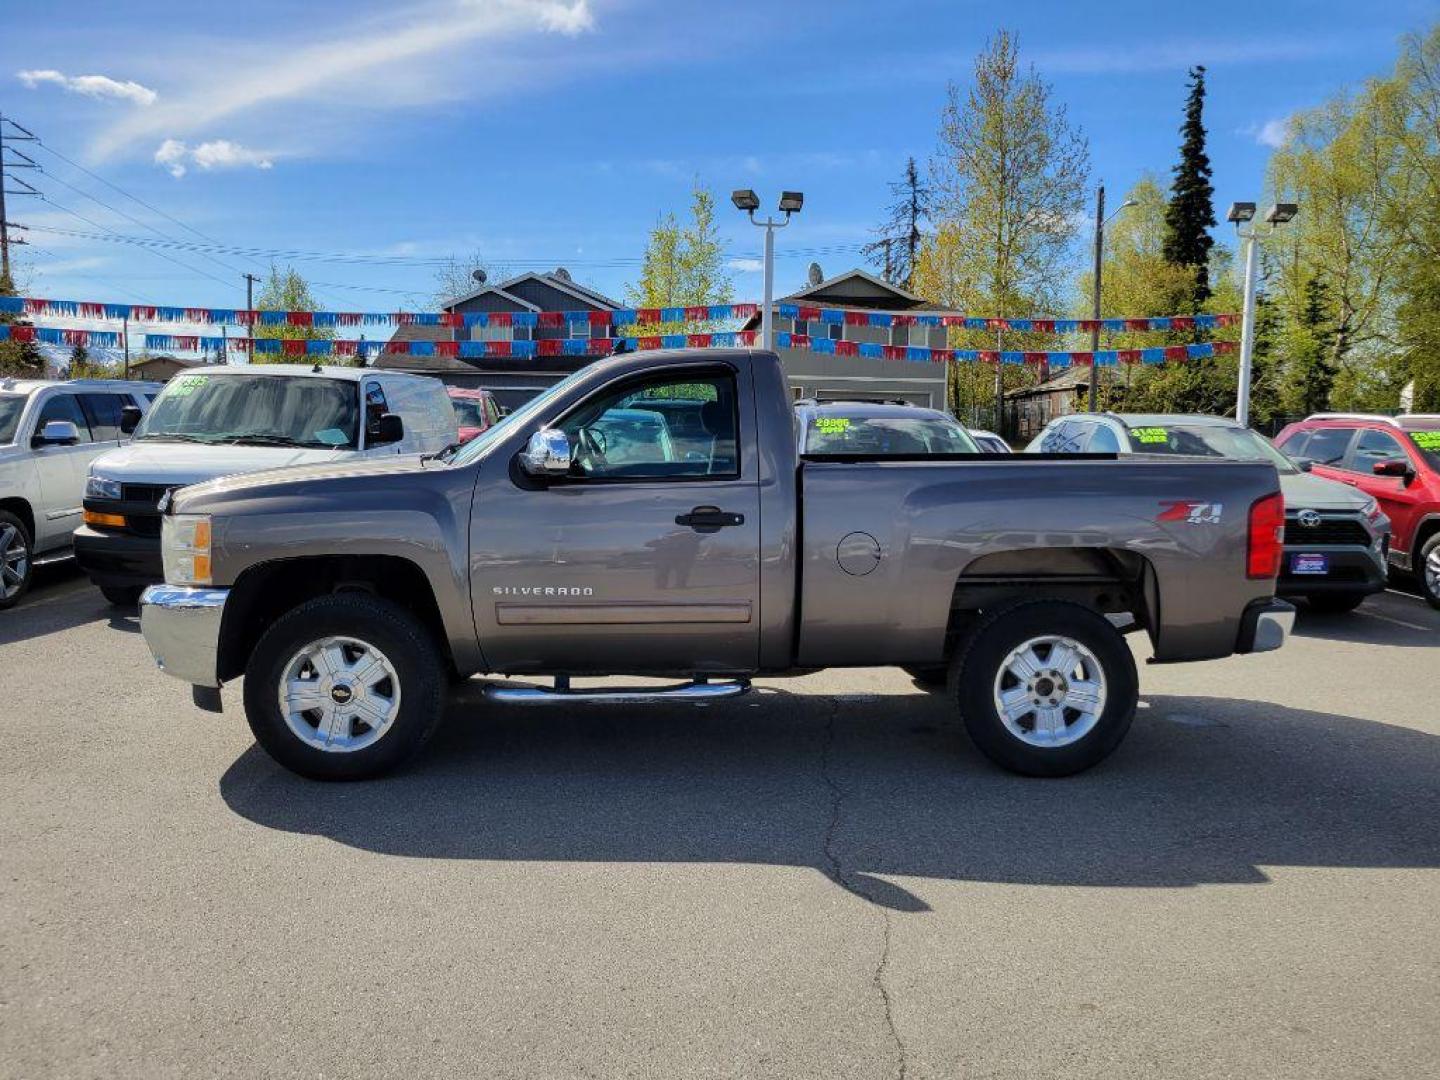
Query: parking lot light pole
column 1238, row 214
column 1100, row 222
column 790, row 203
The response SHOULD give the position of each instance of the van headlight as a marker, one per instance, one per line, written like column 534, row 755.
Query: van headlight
column 185, row 548
column 100, row 487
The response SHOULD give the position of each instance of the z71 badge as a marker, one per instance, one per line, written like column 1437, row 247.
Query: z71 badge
column 1191, row 513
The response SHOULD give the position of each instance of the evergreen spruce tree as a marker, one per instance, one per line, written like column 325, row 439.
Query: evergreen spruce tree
column 898, row 245
column 1191, row 213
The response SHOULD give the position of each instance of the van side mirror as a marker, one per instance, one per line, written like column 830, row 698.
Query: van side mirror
column 1393, row 467
column 129, row 418
column 389, row 428
column 57, row 433
column 547, row 453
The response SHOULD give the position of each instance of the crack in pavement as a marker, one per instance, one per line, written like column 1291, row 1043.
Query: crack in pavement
column 842, row 877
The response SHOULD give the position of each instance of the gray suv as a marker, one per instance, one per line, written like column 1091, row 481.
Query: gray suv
column 1335, row 536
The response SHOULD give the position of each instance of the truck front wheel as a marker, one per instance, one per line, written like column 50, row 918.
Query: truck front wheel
column 344, row 687
column 1045, row 687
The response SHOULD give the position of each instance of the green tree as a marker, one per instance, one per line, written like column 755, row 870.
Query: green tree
column 1309, row 374
column 19, row 359
column 684, row 265
column 897, row 248
column 1191, row 213
column 287, row 290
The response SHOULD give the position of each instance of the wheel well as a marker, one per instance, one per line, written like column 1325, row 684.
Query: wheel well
column 21, row 509
column 265, row 592
column 1109, row 581
column 1426, row 530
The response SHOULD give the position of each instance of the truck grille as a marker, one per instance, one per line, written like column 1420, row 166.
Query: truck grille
column 1329, row 531
column 146, row 493
column 138, row 521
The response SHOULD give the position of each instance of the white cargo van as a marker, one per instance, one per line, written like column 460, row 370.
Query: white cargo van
column 228, row 419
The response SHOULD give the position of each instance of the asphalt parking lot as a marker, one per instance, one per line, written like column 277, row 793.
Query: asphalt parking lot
column 808, row 882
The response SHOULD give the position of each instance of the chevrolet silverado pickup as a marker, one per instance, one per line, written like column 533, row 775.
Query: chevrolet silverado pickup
column 650, row 515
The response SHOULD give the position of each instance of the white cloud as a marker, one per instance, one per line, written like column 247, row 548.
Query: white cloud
column 1273, row 132
column 173, row 155
column 95, row 86
column 319, row 70
column 747, row 266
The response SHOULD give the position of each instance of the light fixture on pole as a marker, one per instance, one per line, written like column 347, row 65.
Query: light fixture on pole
column 1100, row 222
column 790, row 203
column 1239, row 214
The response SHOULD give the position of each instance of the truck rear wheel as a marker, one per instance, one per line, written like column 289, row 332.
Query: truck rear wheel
column 344, row 687
column 1045, row 687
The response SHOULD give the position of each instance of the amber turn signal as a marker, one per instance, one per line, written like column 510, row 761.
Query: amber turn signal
column 112, row 521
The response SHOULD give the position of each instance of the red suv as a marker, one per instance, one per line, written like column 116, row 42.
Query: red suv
column 475, row 410
column 1394, row 458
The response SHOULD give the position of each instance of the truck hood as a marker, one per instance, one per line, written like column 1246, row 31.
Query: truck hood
column 180, row 463
column 279, row 481
column 1305, row 492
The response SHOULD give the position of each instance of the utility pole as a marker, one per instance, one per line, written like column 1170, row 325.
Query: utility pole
column 250, row 280
column 1095, row 307
column 5, row 179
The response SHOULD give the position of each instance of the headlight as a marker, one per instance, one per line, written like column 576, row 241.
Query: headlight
column 98, row 487
column 185, row 548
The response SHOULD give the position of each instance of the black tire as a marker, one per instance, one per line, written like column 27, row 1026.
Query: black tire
column 405, row 642
column 1335, row 603
column 122, row 595
column 933, row 677
column 1429, row 582
column 24, row 566
column 979, row 661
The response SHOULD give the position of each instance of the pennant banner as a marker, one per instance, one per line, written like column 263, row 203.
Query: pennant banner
column 919, row 354
column 46, row 335
column 713, row 313
column 474, row 350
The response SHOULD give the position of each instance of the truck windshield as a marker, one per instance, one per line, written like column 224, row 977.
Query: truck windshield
column 1199, row 440
column 11, row 406
column 259, row 409
column 871, row 435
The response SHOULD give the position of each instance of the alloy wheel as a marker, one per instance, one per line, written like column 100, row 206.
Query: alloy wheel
column 1050, row 691
column 339, row 694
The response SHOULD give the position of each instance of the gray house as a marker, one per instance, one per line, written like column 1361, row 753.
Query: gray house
column 516, row 379
column 830, row 377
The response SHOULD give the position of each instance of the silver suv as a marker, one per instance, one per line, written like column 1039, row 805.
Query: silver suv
column 49, row 434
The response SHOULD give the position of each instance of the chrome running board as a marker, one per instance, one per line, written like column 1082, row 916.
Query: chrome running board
column 699, row 691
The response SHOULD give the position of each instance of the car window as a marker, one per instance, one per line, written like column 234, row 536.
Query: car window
column 1103, row 441
column 1294, row 444
column 103, row 412
column 64, row 407
column 1327, row 446
column 11, row 406
column 626, row 433
column 830, row 433
column 470, row 413
column 1065, row 438
column 1375, row 446
column 1427, row 442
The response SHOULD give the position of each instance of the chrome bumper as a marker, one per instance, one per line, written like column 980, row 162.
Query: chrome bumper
column 182, row 628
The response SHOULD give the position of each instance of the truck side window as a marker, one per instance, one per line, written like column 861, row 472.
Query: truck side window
column 662, row 427
column 64, row 407
column 375, row 407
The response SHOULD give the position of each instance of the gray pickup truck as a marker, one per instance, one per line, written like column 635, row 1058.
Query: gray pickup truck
column 650, row 515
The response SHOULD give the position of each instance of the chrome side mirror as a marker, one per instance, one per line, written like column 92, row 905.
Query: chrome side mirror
column 57, row 433
column 547, row 453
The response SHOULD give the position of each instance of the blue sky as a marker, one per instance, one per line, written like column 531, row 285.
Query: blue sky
column 552, row 132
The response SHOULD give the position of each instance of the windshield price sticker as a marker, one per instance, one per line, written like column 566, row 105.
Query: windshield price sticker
column 1150, row 434
column 832, row 425
column 1426, row 440
column 186, row 384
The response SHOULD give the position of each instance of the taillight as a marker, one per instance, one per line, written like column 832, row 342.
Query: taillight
column 1267, row 537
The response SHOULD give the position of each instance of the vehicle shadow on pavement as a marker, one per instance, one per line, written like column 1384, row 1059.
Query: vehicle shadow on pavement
column 62, row 604
column 1205, row 790
column 1373, row 623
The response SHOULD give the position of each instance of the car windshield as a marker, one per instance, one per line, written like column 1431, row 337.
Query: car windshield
column 469, row 412
column 259, row 409
column 880, row 435
column 1427, row 442
column 11, row 406
column 1203, row 440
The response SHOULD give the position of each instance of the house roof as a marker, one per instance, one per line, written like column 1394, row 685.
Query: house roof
column 1072, row 378
column 572, row 288
column 907, row 298
column 165, row 358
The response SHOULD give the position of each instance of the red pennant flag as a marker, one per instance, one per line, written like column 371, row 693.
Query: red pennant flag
column 293, row 347
column 500, row 318
column 847, row 348
column 452, row 318
column 599, row 318
column 1129, row 356
column 942, row 356
column 698, row 341
column 800, row 341
column 447, row 348
column 1034, row 358
column 697, row 314
column 1043, row 326
column 650, row 342
column 1221, row 347
column 808, row 313
column 548, row 347
column 1175, row 352
column 648, row 315
column 1085, row 359
column 1182, row 322
column 551, row 320
column 747, row 337
column 989, row 356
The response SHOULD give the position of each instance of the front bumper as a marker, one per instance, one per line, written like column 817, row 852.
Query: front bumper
column 116, row 558
column 182, row 628
column 1353, row 569
column 1265, row 625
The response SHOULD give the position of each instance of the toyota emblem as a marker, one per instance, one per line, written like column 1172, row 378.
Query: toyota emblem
column 1308, row 518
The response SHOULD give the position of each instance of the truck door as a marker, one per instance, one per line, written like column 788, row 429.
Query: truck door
column 645, row 558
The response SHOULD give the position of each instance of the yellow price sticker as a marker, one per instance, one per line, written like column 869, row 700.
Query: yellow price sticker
column 1426, row 440
column 831, row 425
column 1144, row 435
